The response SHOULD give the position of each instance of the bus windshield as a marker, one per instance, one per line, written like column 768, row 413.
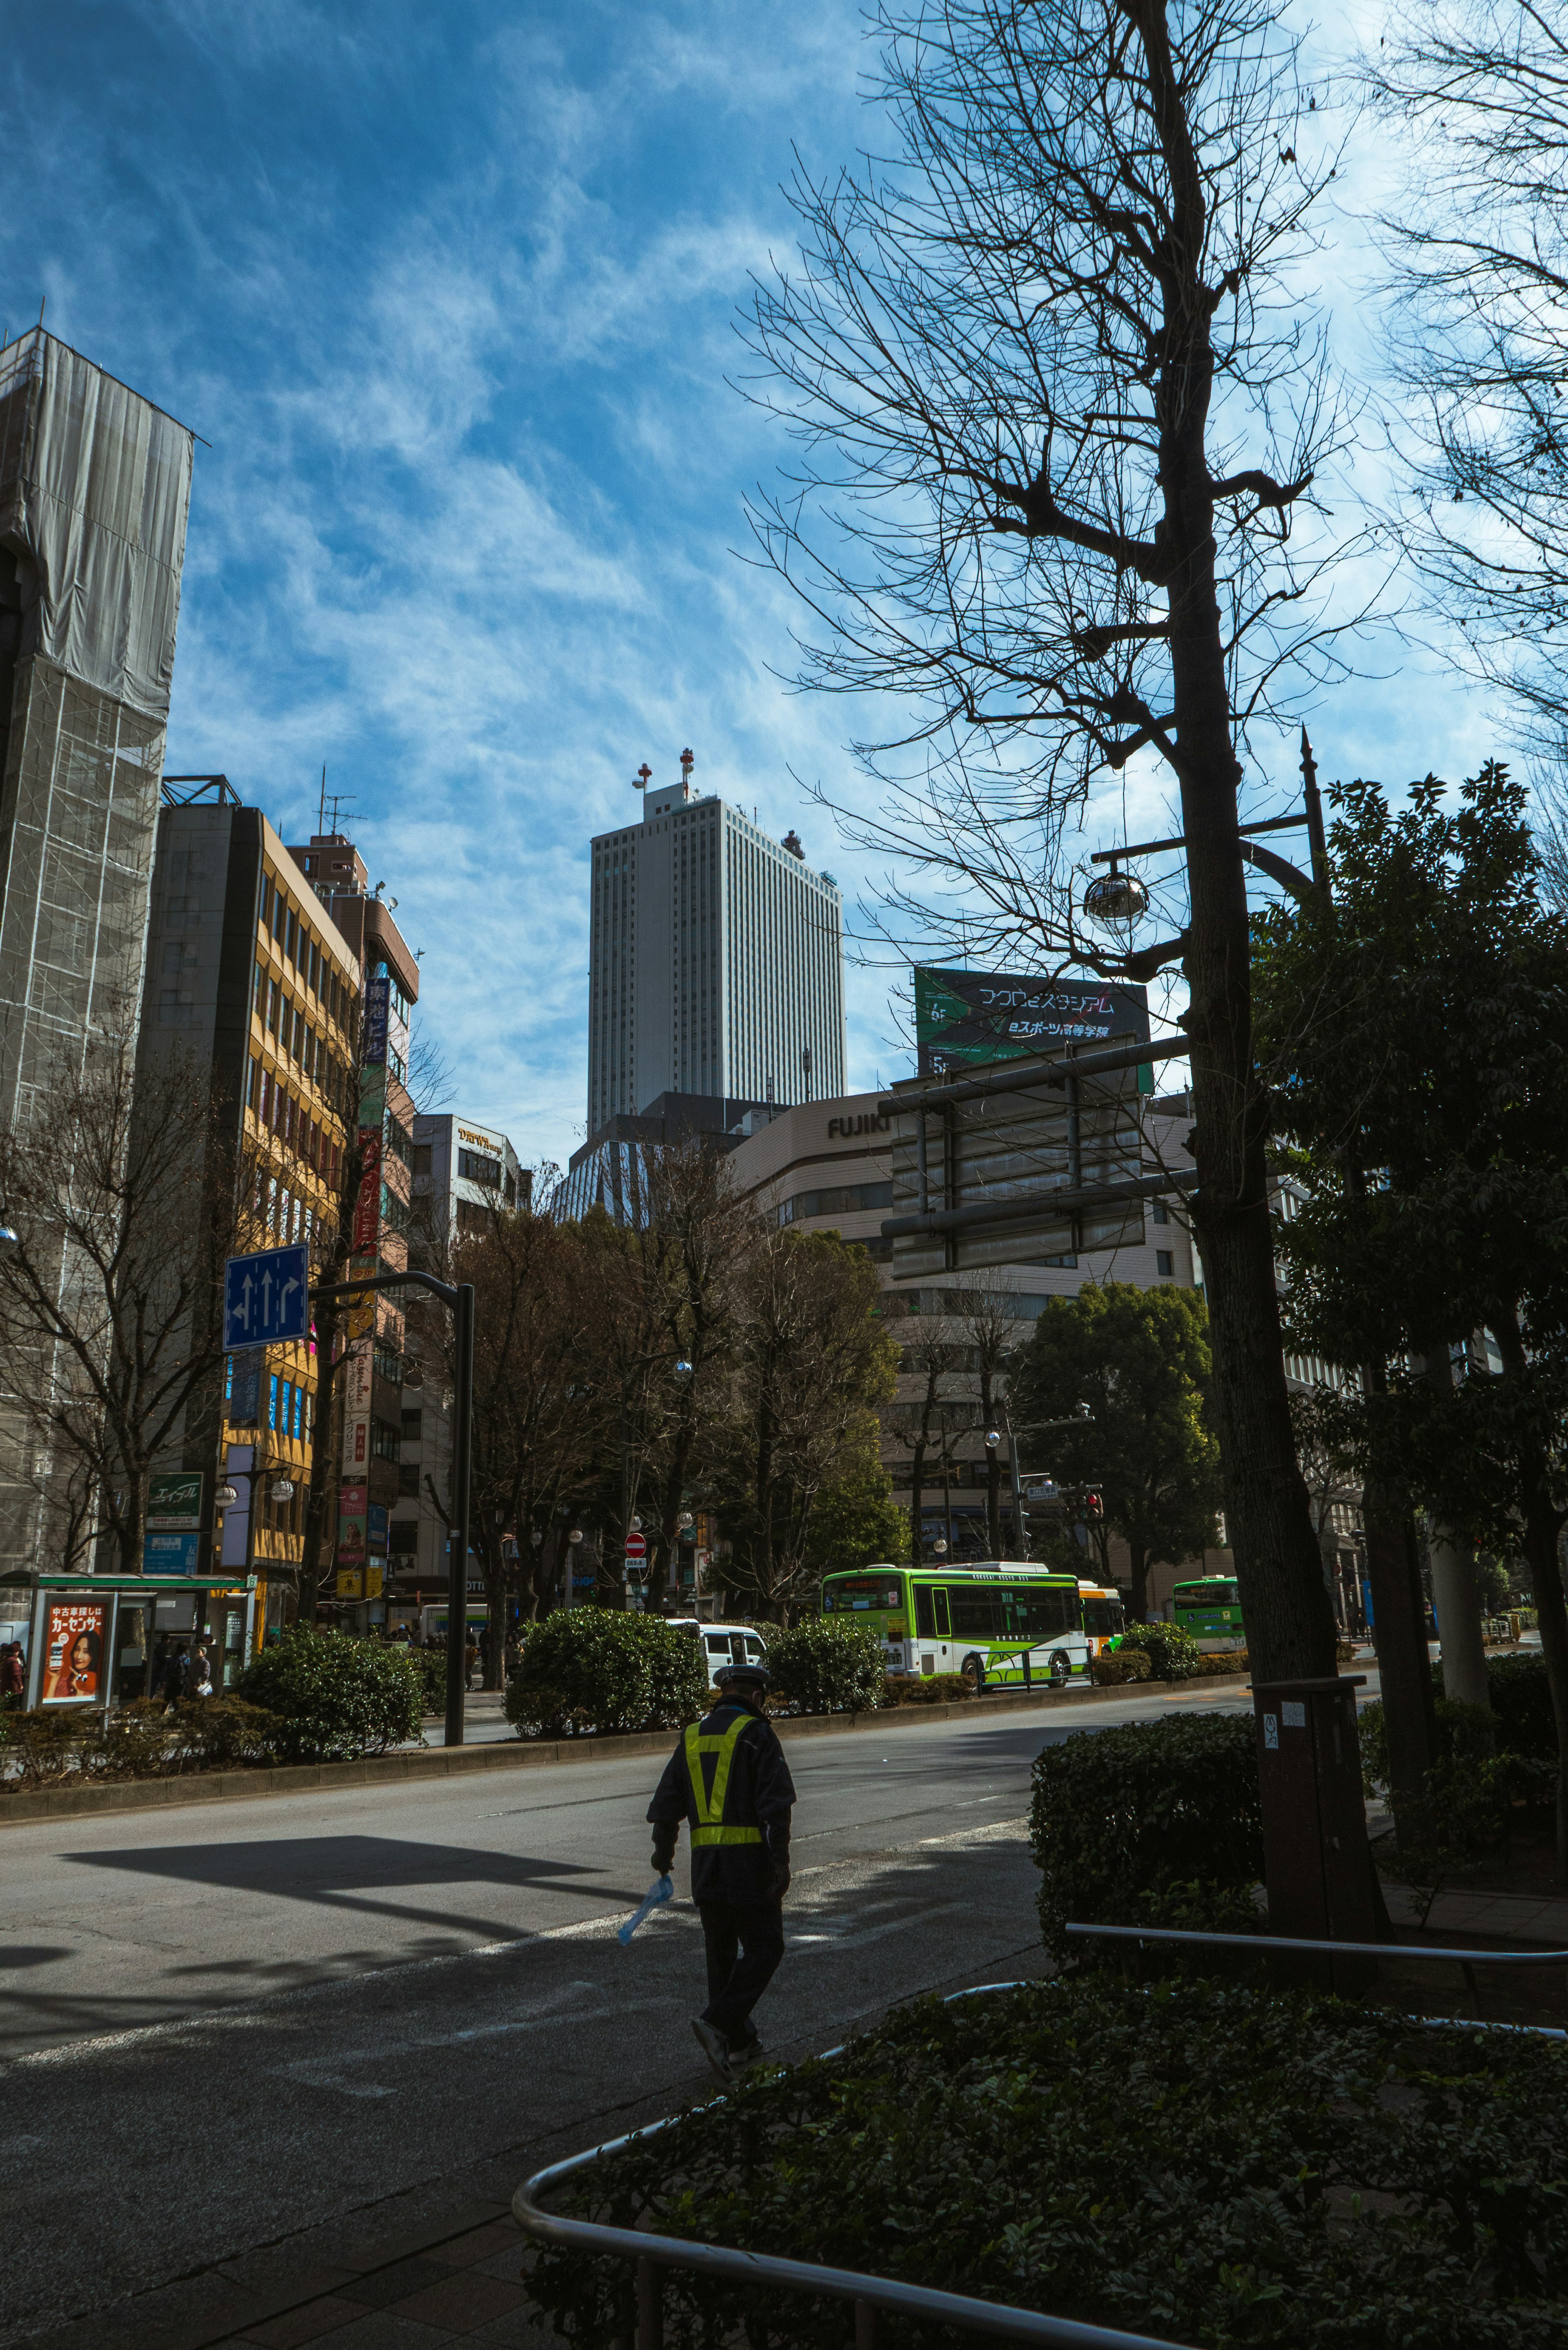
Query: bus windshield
column 1214, row 1591
column 1103, row 1617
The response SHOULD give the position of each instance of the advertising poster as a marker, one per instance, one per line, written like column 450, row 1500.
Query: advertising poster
column 376, row 1529
column 970, row 1017
column 351, row 1500
column 356, row 1445
column 350, row 1583
column 75, row 1640
column 245, row 1392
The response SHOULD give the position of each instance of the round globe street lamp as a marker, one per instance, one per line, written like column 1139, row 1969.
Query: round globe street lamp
column 1116, row 896
column 939, row 1547
column 573, row 1539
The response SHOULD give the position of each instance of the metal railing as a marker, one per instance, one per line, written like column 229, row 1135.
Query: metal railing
column 869, row 2296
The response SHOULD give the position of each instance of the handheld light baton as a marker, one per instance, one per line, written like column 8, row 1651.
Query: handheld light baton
column 654, row 1898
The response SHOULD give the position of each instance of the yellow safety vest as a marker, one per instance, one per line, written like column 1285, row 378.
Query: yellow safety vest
column 711, row 1828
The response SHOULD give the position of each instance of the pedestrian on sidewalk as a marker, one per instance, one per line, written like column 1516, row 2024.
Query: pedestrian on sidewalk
column 470, row 1659
column 729, row 1781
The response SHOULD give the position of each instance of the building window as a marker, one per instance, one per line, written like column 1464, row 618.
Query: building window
column 421, row 1158
column 1164, row 1261
column 385, row 1441
column 413, row 1425
column 476, row 1168
column 1161, row 1213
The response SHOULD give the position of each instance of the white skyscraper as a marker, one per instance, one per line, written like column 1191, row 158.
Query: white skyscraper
column 716, row 962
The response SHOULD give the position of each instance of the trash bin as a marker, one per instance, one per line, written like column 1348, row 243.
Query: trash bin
column 1317, row 1862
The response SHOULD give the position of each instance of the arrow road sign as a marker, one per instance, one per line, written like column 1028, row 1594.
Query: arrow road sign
column 266, row 1298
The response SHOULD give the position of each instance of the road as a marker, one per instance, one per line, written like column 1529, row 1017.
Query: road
column 232, row 2036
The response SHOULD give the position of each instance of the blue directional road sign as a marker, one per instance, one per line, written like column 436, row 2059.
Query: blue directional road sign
column 266, row 1298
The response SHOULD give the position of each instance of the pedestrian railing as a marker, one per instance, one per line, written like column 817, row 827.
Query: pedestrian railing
column 870, row 2297
column 652, row 2257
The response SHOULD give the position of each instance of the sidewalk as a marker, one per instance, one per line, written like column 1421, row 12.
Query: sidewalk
column 1498, row 1916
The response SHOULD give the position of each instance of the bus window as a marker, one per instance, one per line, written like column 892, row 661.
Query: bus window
column 939, row 1602
column 1103, row 1618
column 1041, row 1615
column 976, row 1615
column 925, row 1622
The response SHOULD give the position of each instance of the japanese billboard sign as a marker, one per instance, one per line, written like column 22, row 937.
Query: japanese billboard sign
column 970, row 1018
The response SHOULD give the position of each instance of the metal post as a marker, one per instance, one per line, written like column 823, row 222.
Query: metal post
column 462, row 1473
column 649, row 2306
column 867, row 2326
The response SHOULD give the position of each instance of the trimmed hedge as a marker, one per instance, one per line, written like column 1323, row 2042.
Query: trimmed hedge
column 1522, row 1701
column 1215, row 2165
column 827, row 1664
column 929, row 1689
column 598, row 1668
column 1173, row 1654
column 145, row 1740
column 334, row 1697
column 1114, row 1668
column 1119, row 1817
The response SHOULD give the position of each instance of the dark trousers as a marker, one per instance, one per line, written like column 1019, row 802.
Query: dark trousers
column 744, row 1941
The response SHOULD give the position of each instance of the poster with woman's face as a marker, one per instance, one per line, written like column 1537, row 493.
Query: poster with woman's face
column 75, row 1632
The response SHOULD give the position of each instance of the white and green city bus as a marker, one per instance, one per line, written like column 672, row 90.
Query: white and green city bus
column 981, row 1619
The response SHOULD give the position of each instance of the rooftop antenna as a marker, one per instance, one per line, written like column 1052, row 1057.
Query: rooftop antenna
column 687, row 762
column 321, row 811
column 643, row 778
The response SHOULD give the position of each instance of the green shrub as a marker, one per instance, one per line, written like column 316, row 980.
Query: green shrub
column 431, row 1663
column 598, row 1668
column 827, row 1665
column 1173, row 1654
column 133, row 1742
column 929, row 1689
column 1522, row 1701
column 1262, row 2171
column 1115, row 1667
column 1118, row 1814
column 223, row 1734
column 1461, row 1816
column 1223, row 1660
column 333, row 1697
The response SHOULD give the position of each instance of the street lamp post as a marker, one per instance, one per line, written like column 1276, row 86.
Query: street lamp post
column 460, row 1303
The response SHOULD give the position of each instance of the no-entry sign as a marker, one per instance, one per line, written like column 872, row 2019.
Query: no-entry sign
column 636, row 1547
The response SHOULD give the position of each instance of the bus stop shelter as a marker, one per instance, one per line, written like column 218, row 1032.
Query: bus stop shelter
column 93, row 1640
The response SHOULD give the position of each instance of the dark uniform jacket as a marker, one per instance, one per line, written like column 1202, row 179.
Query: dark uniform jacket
column 727, row 1780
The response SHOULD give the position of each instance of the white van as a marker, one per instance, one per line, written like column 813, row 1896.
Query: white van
column 725, row 1644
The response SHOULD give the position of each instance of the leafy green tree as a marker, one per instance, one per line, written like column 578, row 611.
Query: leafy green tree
column 1128, row 1371
column 1418, row 1029
column 856, row 1521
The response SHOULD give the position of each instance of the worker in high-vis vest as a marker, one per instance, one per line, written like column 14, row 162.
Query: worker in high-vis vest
column 729, row 1781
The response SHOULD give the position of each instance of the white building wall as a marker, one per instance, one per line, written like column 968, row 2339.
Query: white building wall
column 716, row 963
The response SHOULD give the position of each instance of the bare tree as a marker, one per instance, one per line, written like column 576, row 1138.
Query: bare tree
column 1062, row 416
column 1481, row 93
column 990, row 1335
column 123, row 1190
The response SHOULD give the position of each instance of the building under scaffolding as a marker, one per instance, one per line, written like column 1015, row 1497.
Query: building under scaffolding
column 95, row 486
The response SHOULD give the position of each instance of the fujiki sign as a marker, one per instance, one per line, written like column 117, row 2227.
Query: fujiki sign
column 866, row 1121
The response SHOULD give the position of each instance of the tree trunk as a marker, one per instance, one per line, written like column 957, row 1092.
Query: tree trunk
column 1456, row 1594
column 917, row 1501
column 1290, row 1624
column 1137, row 1568
column 1542, row 1527
column 1399, row 1636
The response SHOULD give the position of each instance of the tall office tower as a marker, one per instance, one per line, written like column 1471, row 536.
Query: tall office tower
column 95, row 489
column 716, row 962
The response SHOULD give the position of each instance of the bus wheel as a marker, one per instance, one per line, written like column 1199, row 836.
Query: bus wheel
column 973, row 1669
column 1061, row 1669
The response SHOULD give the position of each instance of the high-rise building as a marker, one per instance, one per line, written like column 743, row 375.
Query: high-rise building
column 372, row 1377
column 716, row 962
column 249, row 977
column 95, row 488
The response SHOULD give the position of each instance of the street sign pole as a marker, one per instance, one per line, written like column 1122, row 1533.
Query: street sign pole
column 460, row 1303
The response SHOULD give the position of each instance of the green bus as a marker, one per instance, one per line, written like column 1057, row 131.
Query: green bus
column 1209, row 1609
column 981, row 1618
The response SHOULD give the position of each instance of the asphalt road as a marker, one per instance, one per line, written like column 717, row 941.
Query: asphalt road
column 228, row 2031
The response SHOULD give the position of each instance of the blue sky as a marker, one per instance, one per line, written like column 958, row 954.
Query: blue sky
column 452, row 293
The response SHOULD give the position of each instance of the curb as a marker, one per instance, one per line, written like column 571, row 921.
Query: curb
column 465, row 1761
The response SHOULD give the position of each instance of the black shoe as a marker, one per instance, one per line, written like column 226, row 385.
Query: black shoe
column 716, row 2047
